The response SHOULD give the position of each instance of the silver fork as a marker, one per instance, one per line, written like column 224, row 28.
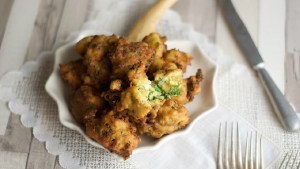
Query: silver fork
column 234, row 161
column 289, row 161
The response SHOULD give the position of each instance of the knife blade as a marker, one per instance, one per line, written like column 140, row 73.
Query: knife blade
column 284, row 111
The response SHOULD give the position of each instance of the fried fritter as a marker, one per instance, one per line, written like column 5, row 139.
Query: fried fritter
column 193, row 85
column 123, row 89
column 189, row 88
column 73, row 72
column 85, row 103
column 182, row 98
column 135, row 101
column 83, row 44
column 170, row 117
column 156, row 42
column 143, row 99
column 129, row 55
column 169, row 82
column 179, row 58
column 96, row 58
column 95, row 49
column 136, row 75
column 163, row 57
column 115, row 133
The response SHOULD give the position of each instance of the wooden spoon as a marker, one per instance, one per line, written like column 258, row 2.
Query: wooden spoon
column 148, row 22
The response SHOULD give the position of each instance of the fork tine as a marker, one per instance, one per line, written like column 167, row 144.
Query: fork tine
column 239, row 155
column 287, row 164
column 226, row 147
column 295, row 159
column 220, row 148
column 233, row 159
column 233, row 154
column 246, row 152
column 257, row 152
column 262, row 165
column 281, row 165
column 251, row 151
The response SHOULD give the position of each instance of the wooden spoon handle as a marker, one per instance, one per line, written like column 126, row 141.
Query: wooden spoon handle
column 148, row 22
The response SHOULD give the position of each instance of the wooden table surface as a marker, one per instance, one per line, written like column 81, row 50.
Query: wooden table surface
column 29, row 27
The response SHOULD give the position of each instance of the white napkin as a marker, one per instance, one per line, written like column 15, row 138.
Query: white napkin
column 198, row 149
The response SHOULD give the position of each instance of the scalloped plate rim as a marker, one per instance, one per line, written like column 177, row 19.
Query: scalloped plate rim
column 62, row 105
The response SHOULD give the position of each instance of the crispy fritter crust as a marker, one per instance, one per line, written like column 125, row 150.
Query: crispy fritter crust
column 170, row 117
column 73, row 72
column 95, row 58
column 183, row 98
column 156, row 42
column 193, row 85
column 180, row 59
column 189, row 88
column 83, row 44
column 115, row 133
column 128, row 56
column 85, row 102
column 133, row 101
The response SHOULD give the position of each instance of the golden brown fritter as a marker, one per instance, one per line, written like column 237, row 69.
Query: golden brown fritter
column 123, row 89
column 163, row 57
column 96, row 59
column 115, row 133
column 135, row 102
column 85, row 102
column 189, row 88
column 179, row 58
column 143, row 98
column 96, row 48
column 128, row 56
column 135, row 99
column 193, row 85
column 170, row 117
column 156, row 42
column 182, row 98
column 73, row 72
column 136, row 75
column 83, row 44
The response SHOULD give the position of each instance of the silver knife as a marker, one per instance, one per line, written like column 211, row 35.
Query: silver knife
column 284, row 111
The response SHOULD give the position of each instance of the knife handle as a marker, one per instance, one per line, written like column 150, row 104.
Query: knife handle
column 287, row 116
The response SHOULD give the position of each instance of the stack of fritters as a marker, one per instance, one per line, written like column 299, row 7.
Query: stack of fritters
column 123, row 89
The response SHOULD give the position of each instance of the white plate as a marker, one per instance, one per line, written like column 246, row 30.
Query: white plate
column 200, row 106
